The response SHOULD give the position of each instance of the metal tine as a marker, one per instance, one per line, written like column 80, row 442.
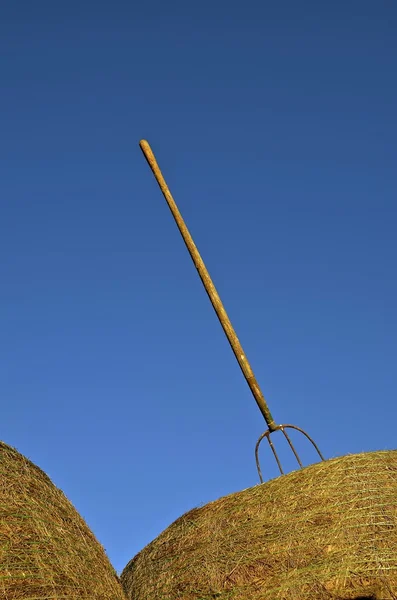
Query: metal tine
column 291, row 446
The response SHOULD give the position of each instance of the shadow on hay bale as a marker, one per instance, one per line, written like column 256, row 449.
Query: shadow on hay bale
column 46, row 549
column 327, row 531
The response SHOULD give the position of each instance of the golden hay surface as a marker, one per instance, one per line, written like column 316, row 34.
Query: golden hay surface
column 47, row 551
column 328, row 531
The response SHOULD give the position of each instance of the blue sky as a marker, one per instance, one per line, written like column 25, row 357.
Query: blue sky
column 275, row 126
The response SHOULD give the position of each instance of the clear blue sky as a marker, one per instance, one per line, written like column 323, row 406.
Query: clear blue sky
column 275, row 126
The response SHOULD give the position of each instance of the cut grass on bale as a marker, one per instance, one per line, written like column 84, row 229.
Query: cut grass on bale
column 47, row 552
column 328, row 531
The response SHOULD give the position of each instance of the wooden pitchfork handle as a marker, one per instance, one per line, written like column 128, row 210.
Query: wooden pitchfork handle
column 210, row 289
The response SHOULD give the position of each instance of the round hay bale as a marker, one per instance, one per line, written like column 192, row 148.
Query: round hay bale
column 326, row 531
column 46, row 549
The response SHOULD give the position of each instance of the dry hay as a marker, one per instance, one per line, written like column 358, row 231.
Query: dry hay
column 46, row 549
column 327, row 531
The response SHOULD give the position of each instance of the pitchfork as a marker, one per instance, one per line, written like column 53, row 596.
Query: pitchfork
column 226, row 324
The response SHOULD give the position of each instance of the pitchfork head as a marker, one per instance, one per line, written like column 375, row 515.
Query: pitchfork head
column 282, row 428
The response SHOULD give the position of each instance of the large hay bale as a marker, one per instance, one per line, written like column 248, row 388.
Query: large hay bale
column 46, row 549
column 327, row 531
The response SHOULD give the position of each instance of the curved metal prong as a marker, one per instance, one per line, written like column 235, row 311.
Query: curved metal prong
column 292, row 446
column 275, row 453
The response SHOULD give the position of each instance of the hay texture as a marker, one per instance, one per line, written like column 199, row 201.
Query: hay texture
column 47, row 551
column 328, row 531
